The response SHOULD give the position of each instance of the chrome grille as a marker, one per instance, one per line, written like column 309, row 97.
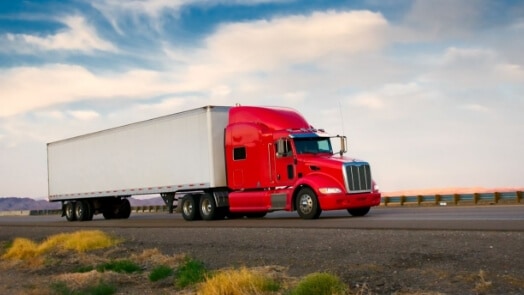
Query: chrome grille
column 358, row 177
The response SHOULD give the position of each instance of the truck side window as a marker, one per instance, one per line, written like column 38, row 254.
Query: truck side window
column 283, row 148
column 239, row 153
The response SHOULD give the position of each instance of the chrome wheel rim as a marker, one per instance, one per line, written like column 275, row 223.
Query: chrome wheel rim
column 306, row 204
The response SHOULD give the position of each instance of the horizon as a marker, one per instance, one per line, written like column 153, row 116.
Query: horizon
column 430, row 93
column 407, row 192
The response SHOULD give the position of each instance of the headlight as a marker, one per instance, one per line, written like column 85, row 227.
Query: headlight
column 329, row 190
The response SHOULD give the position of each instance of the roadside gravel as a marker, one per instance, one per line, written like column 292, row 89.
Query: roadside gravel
column 377, row 261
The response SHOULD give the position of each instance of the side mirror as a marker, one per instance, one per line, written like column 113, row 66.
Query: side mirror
column 343, row 145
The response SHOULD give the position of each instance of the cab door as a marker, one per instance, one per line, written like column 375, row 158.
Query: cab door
column 283, row 167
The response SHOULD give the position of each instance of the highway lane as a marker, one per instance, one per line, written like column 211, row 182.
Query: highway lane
column 497, row 218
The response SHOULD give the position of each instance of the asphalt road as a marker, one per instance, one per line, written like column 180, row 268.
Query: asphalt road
column 496, row 217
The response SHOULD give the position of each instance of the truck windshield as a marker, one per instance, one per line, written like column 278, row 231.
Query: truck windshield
column 313, row 145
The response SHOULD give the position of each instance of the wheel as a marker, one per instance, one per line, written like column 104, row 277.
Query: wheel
column 124, row 209
column 70, row 211
column 81, row 210
column 108, row 213
column 108, row 208
column 359, row 211
column 307, row 204
column 91, row 211
column 189, row 207
column 208, row 208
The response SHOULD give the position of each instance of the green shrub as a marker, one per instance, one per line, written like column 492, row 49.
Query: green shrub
column 60, row 288
column 160, row 272
column 102, row 288
column 84, row 268
column 120, row 266
column 190, row 273
column 320, row 284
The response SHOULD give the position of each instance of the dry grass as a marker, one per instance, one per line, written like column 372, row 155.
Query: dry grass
column 241, row 281
column 80, row 241
column 153, row 257
column 482, row 284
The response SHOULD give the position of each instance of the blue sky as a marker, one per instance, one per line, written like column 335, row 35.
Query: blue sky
column 429, row 92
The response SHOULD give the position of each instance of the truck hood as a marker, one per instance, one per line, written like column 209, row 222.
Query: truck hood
column 322, row 160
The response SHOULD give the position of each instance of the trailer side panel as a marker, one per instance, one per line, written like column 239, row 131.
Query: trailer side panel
column 165, row 154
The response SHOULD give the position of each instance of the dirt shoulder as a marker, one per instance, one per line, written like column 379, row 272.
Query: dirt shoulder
column 378, row 261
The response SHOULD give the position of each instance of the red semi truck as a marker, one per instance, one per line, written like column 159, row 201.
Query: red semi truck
column 209, row 163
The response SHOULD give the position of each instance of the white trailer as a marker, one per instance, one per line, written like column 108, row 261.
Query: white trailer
column 95, row 173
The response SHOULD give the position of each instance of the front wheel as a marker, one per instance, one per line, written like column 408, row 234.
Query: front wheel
column 307, row 204
column 359, row 211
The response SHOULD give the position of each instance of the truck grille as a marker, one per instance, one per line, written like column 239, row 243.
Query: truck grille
column 358, row 177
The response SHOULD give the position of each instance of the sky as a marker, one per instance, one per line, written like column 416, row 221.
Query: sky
column 430, row 93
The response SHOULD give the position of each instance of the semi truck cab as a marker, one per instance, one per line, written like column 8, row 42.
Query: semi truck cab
column 275, row 160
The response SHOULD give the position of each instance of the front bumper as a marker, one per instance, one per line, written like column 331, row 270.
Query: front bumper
column 348, row 201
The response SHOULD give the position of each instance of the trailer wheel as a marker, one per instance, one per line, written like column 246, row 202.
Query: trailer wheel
column 208, row 208
column 307, row 204
column 190, row 208
column 70, row 211
column 81, row 210
column 91, row 211
column 124, row 209
column 359, row 211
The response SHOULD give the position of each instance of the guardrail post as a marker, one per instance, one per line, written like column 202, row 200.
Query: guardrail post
column 419, row 199
column 496, row 197
column 476, row 198
column 437, row 199
column 402, row 200
column 456, row 198
column 386, row 201
column 519, row 196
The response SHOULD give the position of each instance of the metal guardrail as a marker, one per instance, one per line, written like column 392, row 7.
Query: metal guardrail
column 505, row 198
column 455, row 199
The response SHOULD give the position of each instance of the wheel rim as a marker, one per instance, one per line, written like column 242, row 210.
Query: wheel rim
column 69, row 210
column 206, row 207
column 188, row 208
column 79, row 210
column 306, row 204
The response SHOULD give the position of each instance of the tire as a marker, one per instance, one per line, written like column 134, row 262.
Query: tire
column 359, row 211
column 124, row 209
column 208, row 207
column 81, row 210
column 190, row 210
column 108, row 213
column 70, row 211
column 91, row 211
column 307, row 204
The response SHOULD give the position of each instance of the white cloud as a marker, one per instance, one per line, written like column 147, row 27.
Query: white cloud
column 476, row 108
column 84, row 115
column 78, row 36
column 28, row 88
column 264, row 45
column 117, row 11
